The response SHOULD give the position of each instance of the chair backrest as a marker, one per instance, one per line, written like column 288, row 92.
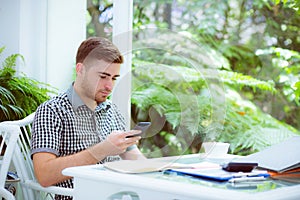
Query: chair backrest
column 22, row 161
column 8, row 141
column 21, row 157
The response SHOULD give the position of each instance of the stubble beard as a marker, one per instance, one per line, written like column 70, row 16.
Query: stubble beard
column 99, row 97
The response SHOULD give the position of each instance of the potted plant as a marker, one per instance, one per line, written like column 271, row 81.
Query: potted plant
column 19, row 95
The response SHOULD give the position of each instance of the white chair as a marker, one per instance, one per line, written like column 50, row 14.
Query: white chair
column 31, row 189
column 8, row 142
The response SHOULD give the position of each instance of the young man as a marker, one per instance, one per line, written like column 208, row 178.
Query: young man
column 80, row 126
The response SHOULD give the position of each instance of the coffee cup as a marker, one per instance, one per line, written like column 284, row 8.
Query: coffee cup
column 215, row 149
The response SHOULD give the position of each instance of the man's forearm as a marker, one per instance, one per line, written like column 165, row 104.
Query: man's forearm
column 48, row 168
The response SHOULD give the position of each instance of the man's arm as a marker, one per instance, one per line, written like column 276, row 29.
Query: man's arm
column 48, row 167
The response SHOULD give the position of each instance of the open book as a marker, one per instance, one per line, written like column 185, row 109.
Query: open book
column 153, row 165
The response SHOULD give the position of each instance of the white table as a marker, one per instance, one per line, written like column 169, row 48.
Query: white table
column 96, row 182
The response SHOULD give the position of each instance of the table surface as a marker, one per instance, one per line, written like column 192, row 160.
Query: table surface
column 185, row 186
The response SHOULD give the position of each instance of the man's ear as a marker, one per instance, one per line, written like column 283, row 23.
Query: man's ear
column 79, row 68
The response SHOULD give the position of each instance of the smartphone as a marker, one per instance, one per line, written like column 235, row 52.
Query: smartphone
column 239, row 166
column 143, row 126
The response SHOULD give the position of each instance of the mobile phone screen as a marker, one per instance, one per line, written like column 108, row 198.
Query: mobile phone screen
column 143, row 126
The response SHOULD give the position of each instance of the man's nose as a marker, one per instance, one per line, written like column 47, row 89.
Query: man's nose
column 109, row 84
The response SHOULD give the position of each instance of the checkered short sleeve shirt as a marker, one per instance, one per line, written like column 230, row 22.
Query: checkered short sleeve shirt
column 64, row 126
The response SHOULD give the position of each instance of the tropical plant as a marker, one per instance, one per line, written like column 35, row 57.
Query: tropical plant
column 19, row 95
column 185, row 108
column 248, row 129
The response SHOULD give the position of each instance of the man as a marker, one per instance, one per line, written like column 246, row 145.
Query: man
column 80, row 126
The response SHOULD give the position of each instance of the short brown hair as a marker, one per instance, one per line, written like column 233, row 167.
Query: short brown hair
column 98, row 48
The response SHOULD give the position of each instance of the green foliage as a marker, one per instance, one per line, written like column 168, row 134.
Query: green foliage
column 286, row 74
column 178, row 48
column 238, row 81
column 248, row 129
column 287, row 65
column 195, row 79
column 295, row 4
column 183, row 101
column 297, row 92
column 19, row 95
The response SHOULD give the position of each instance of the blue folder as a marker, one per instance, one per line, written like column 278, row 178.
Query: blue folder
column 217, row 174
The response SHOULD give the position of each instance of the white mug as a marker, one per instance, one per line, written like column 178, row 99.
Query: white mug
column 215, row 149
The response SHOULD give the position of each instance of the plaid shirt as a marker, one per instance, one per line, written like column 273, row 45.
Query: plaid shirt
column 64, row 125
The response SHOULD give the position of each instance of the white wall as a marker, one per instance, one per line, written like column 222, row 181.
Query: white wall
column 66, row 30
column 33, row 38
column 9, row 26
column 47, row 33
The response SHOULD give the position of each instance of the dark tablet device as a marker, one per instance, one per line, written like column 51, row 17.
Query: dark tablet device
column 239, row 166
column 143, row 126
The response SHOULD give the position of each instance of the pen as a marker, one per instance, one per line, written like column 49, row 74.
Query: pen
column 245, row 179
column 250, row 174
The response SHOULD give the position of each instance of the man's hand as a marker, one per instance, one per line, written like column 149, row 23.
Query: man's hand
column 115, row 144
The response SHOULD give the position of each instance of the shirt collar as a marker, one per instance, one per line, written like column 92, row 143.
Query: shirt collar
column 76, row 101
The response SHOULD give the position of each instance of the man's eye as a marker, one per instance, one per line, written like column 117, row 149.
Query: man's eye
column 103, row 77
column 114, row 79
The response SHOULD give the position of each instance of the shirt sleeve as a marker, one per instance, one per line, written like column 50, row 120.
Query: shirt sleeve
column 45, row 131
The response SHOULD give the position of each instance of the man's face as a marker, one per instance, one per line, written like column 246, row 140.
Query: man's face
column 99, row 79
